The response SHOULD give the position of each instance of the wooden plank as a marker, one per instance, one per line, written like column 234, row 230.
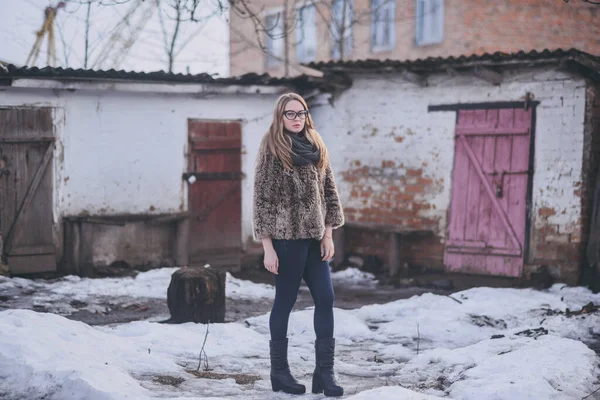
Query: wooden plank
column 488, row 251
column 32, row 250
column 216, row 176
column 466, row 243
column 9, row 124
column 395, row 240
column 460, row 182
column 28, row 196
column 30, row 139
column 32, row 263
column 474, row 190
column 491, row 193
column 493, row 132
column 487, row 164
column 517, row 200
column 386, row 228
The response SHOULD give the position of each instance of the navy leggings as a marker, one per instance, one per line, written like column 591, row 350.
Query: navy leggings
column 300, row 259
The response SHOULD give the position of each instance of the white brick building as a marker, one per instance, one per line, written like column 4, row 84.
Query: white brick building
column 485, row 164
column 395, row 146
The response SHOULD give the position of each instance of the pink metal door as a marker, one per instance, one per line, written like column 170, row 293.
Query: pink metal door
column 486, row 232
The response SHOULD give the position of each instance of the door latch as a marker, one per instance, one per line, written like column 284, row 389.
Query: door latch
column 499, row 191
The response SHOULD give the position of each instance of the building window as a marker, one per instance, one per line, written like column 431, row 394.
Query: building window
column 430, row 22
column 306, row 34
column 341, row 31
column 382, row 30
column 274, row 39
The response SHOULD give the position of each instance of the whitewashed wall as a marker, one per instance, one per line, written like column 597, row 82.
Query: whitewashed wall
column 381, row 127
column 124, row 153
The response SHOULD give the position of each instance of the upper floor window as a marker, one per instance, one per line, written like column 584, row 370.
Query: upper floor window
column 341, row 30
column 274, row 38
column 306, row 34
column 383, row 25
column 430, row 22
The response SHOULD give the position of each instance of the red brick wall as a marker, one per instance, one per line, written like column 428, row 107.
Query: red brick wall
column 388, row 198
column 471, row 27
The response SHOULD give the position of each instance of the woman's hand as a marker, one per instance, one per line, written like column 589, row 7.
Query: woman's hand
column 271, row 260
column 327, row 249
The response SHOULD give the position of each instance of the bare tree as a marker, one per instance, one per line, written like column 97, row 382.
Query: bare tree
column 87, row 35
column 337, row 16
column 180, row 13
column 596, row 3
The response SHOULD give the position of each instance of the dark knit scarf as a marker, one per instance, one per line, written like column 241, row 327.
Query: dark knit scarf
column 303, row 151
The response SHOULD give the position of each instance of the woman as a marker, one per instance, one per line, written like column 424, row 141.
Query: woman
column 296, row 207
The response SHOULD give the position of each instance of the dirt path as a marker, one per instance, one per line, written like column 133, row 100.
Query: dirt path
column 102, row 310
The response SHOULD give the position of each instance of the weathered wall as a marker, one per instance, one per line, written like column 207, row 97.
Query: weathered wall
column 125, row 153
column 470, row 27
column 393, row 159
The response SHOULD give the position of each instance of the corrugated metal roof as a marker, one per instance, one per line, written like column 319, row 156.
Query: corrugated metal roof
column 432, row 64
column 13, row 72
column 585, row 63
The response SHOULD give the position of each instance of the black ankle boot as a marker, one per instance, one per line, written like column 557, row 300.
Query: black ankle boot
column 281, row 378
column 323, row 377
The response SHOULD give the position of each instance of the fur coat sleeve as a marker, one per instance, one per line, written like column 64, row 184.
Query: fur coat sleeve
column 335, row 214
column 293, row 204
column 264, row 206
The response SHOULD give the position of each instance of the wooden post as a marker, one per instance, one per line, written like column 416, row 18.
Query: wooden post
column 182, row 249
column 394, row 252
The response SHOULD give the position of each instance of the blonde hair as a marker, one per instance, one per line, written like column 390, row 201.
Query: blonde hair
column 278, row 144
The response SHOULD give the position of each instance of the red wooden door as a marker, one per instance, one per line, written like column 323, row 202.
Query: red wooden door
column 488, row 212
column 215, row 199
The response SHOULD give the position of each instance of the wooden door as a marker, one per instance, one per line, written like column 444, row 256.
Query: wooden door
column 26, row 149
column 215, row 196
column 488, row 213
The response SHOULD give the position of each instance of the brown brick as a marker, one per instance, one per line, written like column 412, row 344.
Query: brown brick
column 546, row 212
column 562, row 239
column 414, row 172
column 547, row 230
column 414, row 188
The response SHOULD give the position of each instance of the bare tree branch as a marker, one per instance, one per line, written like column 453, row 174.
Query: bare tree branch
column 87, row 35
column 596, row 3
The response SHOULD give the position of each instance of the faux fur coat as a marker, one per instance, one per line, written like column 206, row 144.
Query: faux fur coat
column 293, row 204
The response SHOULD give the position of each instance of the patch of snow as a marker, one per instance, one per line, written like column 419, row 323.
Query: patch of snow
column 418, row 348
column 353, row 276
column 48, row 355
column 391, row 393
column 242, row 289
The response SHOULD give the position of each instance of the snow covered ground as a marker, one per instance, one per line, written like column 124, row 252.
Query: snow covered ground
column 481, row 343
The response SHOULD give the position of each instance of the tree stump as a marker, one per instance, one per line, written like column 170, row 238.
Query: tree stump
column 197, row 294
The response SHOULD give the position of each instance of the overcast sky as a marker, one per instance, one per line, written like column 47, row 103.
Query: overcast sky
column 207, row 48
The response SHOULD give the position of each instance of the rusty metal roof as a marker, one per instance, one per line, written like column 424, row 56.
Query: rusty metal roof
column 589, row 62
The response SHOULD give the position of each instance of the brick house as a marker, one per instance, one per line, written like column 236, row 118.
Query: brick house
column 483, row 164
column 389, row 29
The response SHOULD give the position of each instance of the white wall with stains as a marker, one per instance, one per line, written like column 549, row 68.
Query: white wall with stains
column 390, row 153
column 125, row 153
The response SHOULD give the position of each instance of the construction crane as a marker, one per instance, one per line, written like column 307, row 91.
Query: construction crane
column 124, row 35
column 47, row 28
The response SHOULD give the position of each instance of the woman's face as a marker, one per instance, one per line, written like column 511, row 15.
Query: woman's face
column 292, row 120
